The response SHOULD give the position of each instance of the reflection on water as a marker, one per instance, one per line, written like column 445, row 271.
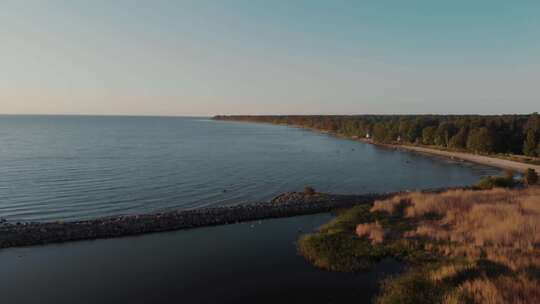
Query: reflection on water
column 242, row 263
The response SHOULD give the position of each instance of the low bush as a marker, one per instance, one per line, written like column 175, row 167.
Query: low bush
column 489, row 182
column 412, row 287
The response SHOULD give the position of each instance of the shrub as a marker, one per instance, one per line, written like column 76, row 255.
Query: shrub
column 530, row 177
column 489, row 182
column 373, row 231
column 520, row 288
column 414, row 287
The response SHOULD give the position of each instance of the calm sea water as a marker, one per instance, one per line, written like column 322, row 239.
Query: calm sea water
column 54, row 167
column 76, row 167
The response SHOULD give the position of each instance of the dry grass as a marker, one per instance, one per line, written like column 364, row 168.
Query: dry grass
column 450, row 271
column 374, row 231
column 498, row 218
column 391, row 205
column 518, row 289
column 498, row 226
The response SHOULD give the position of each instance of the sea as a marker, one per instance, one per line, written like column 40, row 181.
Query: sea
column 80, row 167
column 66, row 168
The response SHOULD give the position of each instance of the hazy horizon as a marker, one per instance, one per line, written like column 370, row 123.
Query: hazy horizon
column 247, row 114
column 205, row 58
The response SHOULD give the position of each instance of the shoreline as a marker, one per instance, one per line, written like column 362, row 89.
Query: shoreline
column 490, row 161
column 485, row 160
column 469, row 157
column 21, row 234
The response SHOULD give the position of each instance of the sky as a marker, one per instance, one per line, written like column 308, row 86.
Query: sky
column 202, row 57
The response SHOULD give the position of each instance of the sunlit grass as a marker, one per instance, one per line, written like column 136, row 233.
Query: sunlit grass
column 463, row 246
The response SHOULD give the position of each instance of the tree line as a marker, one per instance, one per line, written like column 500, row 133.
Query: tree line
column 487, row 134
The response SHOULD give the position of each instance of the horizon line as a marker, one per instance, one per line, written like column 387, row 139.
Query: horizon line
column 291, row 114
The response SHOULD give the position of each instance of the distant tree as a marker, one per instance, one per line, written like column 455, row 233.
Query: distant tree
column 533, row 122
column 428, row 135
column 350, row 127
column 459, row 141
column 538, row 150
column 481, row 140
column 443, row 134
column 391, row 133
column 505, row 133
column 530, row 177
column 403, row 127
column 414, row 132
column 512, row 137
column 530, row 145
column 379, row 132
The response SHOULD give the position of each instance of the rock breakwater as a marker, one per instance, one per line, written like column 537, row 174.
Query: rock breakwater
column 285, row 205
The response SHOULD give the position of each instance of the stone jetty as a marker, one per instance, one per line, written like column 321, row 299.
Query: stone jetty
column 286, row 205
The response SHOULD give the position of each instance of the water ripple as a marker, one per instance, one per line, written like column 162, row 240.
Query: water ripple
column 68, row 168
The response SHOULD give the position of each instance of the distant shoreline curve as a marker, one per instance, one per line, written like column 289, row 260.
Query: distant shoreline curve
column 468, row 157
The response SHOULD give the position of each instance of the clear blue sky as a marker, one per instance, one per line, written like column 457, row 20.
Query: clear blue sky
column 269, row 57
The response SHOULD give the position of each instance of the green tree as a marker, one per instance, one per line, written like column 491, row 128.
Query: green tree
column 414, row 132
column 481, row 140
column 506, row 133
column 379, row 132
column 403, row 127
column 409, row 129
column 391, row 133
column 533, row 122
column 530, row 144
column 459, row 141
column 444, row 133
column 428, row 135
column 530, row 177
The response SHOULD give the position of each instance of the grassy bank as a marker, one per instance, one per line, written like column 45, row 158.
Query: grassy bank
column 462, row 246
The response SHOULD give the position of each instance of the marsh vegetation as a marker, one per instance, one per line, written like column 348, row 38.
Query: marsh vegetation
column 462, row 246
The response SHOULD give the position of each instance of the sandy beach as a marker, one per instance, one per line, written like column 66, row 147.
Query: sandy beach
column 479, row 159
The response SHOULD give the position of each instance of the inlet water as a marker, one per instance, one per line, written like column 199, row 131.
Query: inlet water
column 241, row 263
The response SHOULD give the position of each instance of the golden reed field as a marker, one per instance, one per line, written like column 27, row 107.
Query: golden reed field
column 492, row 237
